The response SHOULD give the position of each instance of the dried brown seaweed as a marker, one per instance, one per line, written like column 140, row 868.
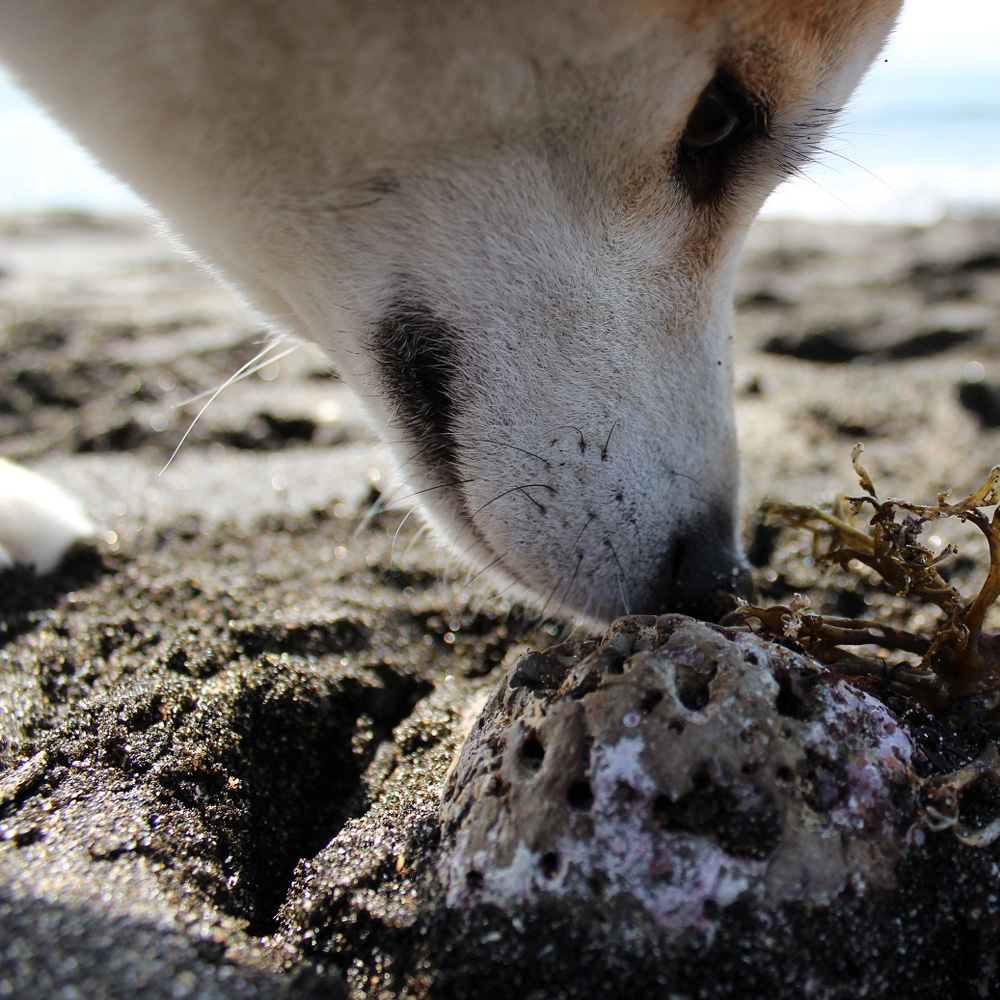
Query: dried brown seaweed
column 959, row 656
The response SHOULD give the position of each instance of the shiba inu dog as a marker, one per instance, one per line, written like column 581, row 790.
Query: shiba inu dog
column 513, row 226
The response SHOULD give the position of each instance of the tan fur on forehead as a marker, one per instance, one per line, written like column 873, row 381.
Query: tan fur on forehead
column 759, row 37
column 777, row 46
column 811, row 15
column 828, row 26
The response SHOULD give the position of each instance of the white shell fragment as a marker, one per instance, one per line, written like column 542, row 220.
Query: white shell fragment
column 39, row 522
column 675, row 767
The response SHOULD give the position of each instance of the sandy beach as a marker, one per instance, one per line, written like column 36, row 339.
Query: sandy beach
column 206, row 721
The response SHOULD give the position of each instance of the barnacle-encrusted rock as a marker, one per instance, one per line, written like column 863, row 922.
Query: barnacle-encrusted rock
column 671, row 769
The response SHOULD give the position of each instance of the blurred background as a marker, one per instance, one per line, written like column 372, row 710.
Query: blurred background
column 920, row 140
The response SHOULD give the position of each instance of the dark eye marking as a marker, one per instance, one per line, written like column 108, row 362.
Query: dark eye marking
column 414, row 354
column 724, row 122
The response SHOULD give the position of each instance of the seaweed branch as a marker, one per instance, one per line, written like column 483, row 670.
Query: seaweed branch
column 960, row 657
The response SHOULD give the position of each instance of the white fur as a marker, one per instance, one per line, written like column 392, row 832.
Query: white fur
column 39, row 521
column 510, row 162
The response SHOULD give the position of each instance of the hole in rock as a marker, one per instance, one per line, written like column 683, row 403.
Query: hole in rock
column 794, row 699
column 532, row 754
column 649, row 701
column 614, row 662
column 497, row 787
column 580, row 795
column 742, row 820
column 694, row 685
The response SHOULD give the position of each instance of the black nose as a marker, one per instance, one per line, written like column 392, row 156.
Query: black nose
column 701, row 568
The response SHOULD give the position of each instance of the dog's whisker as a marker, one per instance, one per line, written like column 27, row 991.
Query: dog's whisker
column 620, row 576
column 523, row 451
column 572, row 427
column 566, row 558
column 463, row 555
column 430, row 489
column 604, row 450
column 860, row 166
column 235, row 377
column 373, row 511
column 395, row 535
column 514, row 489
column 495, row 595
column 263, row 361
column 569, row 585
column 705, row 496
column 469, row 518
column 470, row 580
column 419, row 453
column 386, row 502
column 822, row 187
column 417, row 535
column 638, row 537
column 580, row 623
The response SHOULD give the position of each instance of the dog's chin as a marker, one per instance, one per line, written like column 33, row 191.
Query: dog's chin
column 589, row 572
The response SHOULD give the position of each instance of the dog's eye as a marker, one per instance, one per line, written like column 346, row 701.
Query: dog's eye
column 714, row 119
column 724, row 120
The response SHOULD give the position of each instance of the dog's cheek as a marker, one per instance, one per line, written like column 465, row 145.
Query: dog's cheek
column 414, row 354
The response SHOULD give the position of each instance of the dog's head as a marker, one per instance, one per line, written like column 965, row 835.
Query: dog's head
column 542, row 291
column 514, row 226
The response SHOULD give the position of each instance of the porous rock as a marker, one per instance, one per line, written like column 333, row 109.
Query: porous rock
column 669, row 770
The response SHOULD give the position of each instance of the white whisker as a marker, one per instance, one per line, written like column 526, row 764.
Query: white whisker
column 395, row 535
column 417, row 535
column 373, row 511
column 244, row 373
column 240, row 373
